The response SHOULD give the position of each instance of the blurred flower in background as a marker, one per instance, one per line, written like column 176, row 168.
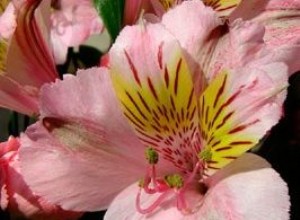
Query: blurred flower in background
column 16, row 195
column 26, row 58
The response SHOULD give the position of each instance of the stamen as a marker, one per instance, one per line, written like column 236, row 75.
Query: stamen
column 181, row 203
column 150, row 177
column 191, row 178
column 154, row 205
column 171, row 183
column 174, row 181
column 205, row 154
column 151, row 155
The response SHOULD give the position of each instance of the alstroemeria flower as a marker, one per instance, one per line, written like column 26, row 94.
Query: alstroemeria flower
column 72, row 22
column 156, row 99
column 15, row 195
column 26, row 60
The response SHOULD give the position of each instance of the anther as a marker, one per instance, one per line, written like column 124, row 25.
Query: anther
column 205, row 154
column 151, row 155
column 174, row 181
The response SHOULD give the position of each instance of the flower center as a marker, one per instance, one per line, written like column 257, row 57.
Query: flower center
column 175, row 184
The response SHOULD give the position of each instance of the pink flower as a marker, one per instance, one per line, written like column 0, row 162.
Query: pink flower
column 26, row 60
column 72, row 22
column 193, row 97
column 15, row 194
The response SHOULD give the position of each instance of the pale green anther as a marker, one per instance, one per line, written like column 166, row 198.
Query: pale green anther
column 205, row 154
column 174, row 181
column 151, row 155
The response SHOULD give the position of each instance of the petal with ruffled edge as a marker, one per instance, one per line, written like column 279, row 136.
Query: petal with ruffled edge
column 153, row 82
column 16, row 196
column 238, row 108
column 281, row 19
column 243, row 46
column 82, row 145
column 246, row 189
column 231, row 46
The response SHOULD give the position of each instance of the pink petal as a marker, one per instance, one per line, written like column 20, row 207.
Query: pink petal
column 193, row 37
column 247, row 189
column 281, row 19
column 254, row 190
column 20, row 98
column 202, row 20
column 244, row 46
column 88, row 176
column 60, row 49
column 83, row 137
column 15, row 193
column 252, row 9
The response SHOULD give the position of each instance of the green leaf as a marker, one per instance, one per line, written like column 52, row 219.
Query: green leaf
column 111, row 12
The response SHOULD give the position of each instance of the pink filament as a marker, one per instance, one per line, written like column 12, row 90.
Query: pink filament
column 161, row 187
column 155, row 204
column 181, row 204
column 150, row 177
column 192, row 176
